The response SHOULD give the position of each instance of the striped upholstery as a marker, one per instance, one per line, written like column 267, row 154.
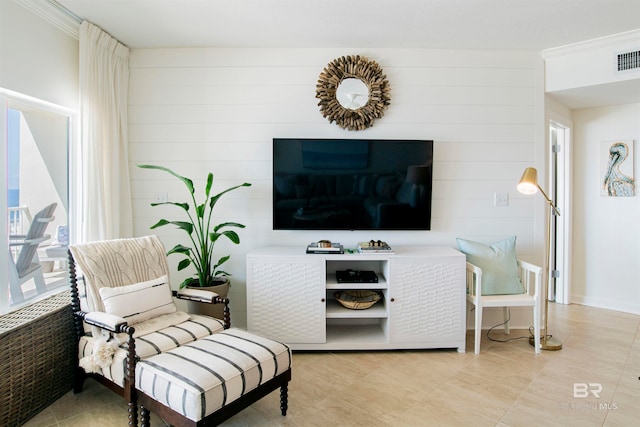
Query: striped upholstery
column 199, row 378
column 186, row 367
column 156, row 342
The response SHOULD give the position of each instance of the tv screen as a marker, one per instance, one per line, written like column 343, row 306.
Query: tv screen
column 352, row 184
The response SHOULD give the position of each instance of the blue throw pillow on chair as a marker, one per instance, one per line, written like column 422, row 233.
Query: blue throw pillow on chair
column 498, row 264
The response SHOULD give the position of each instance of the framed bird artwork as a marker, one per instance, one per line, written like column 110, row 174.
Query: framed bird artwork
column 616, row 164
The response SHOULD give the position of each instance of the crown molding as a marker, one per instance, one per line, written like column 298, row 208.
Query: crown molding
column 632, row 36
column 54, row 13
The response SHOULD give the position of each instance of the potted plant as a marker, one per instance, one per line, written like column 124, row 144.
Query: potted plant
column 203, row 235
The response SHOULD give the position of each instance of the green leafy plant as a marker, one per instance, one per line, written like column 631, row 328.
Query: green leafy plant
column 201, row 231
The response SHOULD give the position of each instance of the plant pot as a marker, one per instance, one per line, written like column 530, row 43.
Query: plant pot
column 212, row 310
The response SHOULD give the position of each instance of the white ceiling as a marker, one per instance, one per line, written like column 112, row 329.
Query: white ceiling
column 447, row 24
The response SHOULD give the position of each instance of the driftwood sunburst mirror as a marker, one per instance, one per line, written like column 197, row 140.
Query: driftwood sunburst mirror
column 353, row 92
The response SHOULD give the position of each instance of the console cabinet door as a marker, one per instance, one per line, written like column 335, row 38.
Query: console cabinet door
column 286, row 298
column 427, row 301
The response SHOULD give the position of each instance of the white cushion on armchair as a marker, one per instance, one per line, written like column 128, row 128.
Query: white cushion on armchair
column 140, row 301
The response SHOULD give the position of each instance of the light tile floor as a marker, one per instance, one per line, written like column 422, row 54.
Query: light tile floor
column 506, row 385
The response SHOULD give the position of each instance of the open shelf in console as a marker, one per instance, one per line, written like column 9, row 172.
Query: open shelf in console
column 336, row 311
column 356, row 337
column 332, row 283
column 379, row 266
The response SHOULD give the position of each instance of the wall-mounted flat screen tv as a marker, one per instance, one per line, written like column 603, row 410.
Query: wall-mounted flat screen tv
column 352, row 184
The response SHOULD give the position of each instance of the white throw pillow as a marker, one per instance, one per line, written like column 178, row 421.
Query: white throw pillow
column 140, row 301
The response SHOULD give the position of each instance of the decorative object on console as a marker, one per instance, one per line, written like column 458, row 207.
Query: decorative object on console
column 324, row 247
column 324, row 244
column 529, row 185
column 357, row 299
column 374, row 247
column 353, row 92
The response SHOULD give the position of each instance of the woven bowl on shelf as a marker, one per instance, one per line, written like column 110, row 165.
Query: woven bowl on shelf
column 358, row 299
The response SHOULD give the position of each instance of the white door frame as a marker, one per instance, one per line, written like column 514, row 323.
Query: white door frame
column 560, row 154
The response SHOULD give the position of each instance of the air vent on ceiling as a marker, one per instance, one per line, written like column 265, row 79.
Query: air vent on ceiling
column 629, row 60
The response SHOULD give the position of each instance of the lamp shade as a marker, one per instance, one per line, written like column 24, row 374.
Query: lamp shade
column 417, row 174
column 529, row 182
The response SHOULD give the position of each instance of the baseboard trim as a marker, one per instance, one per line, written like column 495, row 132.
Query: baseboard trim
column 606, row 304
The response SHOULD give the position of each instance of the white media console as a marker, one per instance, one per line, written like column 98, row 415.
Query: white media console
column 290, row 298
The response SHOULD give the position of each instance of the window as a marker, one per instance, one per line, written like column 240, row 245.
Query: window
column 37, row 139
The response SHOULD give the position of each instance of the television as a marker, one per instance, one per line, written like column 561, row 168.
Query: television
column 352, row 184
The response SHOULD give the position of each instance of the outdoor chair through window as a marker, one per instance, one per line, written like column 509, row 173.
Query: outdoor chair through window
column 26, row 265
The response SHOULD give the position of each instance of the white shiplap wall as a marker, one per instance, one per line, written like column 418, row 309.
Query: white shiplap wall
column 207, row 109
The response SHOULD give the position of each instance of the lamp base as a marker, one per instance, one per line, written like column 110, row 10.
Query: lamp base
column 551, row 344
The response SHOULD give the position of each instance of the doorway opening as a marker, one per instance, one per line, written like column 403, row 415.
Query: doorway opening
column 560, row 183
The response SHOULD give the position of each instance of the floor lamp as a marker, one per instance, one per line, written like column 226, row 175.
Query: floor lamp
column 529, row 185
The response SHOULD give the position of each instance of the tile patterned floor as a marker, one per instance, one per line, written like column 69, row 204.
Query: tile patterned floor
column 507, row 385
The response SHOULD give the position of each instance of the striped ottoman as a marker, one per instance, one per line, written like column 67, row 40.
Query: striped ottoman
column 201, row 377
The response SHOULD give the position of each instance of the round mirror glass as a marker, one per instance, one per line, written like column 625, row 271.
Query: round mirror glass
column 352, row 93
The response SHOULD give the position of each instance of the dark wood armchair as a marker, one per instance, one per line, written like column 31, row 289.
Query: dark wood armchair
column 190, row 370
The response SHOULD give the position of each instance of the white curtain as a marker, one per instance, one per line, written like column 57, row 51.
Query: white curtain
column 104, row 84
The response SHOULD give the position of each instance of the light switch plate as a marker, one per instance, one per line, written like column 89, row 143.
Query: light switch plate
column 501, row 199
column 161, row 197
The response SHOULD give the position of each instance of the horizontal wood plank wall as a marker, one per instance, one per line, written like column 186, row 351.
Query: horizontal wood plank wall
column 203, row 109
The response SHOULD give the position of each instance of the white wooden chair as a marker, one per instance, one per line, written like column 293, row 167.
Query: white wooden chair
column 27, row 266
column 531, row 278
